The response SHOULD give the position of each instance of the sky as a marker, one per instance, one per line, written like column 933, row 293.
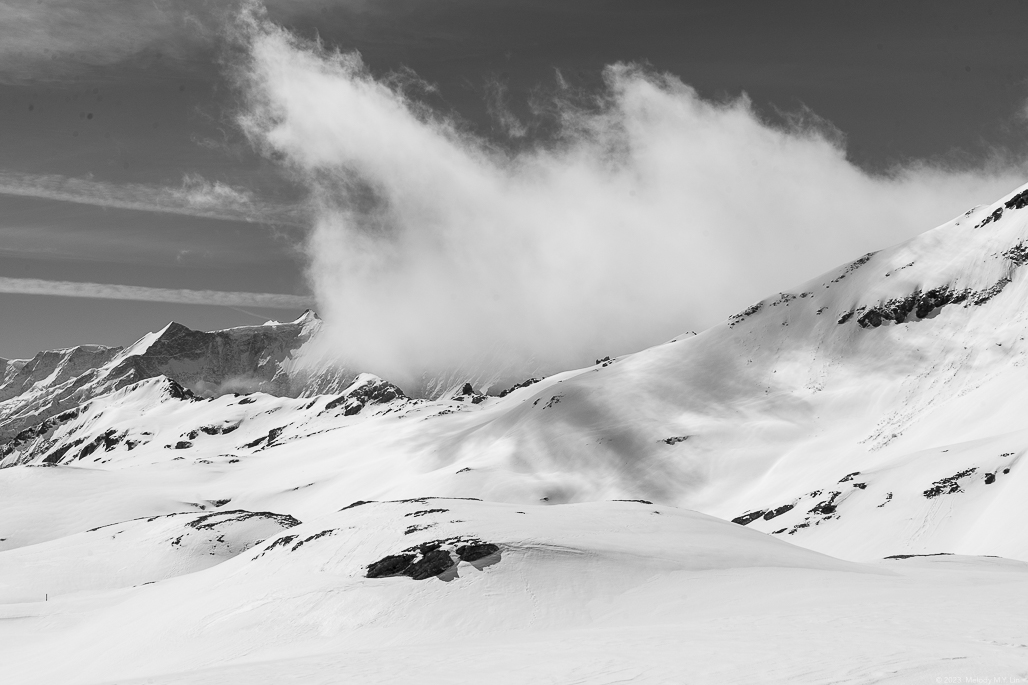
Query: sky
column 455, row 192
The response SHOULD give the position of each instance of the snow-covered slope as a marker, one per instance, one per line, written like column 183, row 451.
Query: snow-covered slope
column 596, row 592
column 875, row 411
column 887, row 395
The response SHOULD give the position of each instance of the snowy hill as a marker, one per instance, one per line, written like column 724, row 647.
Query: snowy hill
column 594, row 592
column 875, row 411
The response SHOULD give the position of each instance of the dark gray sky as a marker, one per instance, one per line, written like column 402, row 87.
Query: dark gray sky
column 121, row 161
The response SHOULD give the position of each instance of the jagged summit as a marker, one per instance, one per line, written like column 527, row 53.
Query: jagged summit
column 243, row 359
column 309, row 316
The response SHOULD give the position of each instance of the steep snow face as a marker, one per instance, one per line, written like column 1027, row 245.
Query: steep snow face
column 242, row 359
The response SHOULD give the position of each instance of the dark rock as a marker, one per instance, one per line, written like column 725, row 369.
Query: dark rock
column 949, row 485
column 311, row 538
column 218, row 518
column 826, row 507
column 256, row 442
column 416, row 528
column 1018, row 254
column 392, row 565
column 772, row 513
column 554, row 400
column 518, row 386
column 982, row 296
column 474, row 552
column 430, row 559
column 432, row 563
column 995, row 216
column 375, row 391
column 280, row 542
column 426, row 511
column 1019, row 201
column 921, row 304
column 845, row 317
column 911, row 556
column 748, row 518
column 853, row 266
column 749, row 311
column 58, row 454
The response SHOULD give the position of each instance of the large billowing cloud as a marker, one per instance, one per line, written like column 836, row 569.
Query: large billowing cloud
column 655, row 211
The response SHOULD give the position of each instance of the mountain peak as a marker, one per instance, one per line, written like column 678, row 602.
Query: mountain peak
column 308, row 316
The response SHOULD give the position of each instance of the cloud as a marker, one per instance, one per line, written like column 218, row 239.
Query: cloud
column 196, row 197
column 652, row 212
column 52, row 38
column 106, row 291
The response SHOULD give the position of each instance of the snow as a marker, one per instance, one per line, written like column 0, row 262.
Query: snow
column 601, row 592
column 875, row 411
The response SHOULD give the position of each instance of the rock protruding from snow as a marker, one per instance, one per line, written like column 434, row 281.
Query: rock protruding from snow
column 367, row 389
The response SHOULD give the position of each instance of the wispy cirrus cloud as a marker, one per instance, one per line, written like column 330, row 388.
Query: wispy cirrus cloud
column 55, row 37
column 196, row 196
column 108, row 291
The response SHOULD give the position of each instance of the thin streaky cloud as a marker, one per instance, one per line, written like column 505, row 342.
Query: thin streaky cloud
column 108, row 291
column 54, row 38
column 196, row 197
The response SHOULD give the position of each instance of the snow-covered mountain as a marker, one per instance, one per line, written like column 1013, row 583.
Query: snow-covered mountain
column 875, row 411
column 248, row 359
